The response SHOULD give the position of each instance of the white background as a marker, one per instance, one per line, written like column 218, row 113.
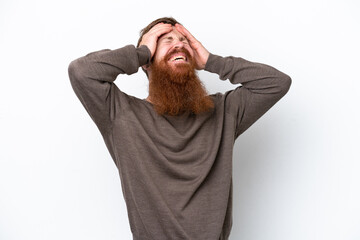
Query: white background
column 296, row 170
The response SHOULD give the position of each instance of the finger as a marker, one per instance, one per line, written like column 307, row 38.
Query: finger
column 160, row 27
column 185, row 32
column 161, row 31
column 154, row 33
column 182, row 30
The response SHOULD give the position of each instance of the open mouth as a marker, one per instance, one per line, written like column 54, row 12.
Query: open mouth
column 178, row 57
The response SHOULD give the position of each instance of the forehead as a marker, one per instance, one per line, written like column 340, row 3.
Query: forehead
column 174, row 33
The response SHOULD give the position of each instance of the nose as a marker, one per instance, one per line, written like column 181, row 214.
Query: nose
column 178, row 44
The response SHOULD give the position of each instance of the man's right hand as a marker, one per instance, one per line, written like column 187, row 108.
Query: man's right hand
column 150, row 38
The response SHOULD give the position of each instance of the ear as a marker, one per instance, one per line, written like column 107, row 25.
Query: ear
column 146, row 67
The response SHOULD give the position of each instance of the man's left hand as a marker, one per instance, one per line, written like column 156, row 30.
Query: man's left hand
column 201, row 55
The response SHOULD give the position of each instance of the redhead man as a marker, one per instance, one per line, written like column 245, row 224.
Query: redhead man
column 174, row 149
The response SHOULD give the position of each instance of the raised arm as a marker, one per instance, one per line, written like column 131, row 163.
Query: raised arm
column 92, row 78
column 262, row 86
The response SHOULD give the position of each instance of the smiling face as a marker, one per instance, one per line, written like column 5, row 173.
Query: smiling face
column 174, row 86
column 174, row 48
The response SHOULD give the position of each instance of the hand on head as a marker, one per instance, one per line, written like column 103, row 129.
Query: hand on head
column 150, row 39
column 201, row 55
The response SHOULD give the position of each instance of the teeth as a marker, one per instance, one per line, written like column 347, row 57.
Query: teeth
column 178, row 58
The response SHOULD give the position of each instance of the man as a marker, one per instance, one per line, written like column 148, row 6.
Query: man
column 174, row 149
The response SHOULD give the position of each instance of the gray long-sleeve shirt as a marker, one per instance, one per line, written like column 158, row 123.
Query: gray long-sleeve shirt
column 176, row 171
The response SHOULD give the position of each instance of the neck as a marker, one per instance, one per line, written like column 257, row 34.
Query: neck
column 149, row 99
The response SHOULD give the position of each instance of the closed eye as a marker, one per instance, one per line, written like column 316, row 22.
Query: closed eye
column 170, row 39
column 184, row 40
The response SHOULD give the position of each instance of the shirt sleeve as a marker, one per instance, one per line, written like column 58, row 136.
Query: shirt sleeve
column 92, row 79
column 261, row 87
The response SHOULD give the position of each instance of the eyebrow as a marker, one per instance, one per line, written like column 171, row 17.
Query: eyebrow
column 182, row 38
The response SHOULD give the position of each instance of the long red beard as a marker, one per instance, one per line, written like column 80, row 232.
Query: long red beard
column 178, row 89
